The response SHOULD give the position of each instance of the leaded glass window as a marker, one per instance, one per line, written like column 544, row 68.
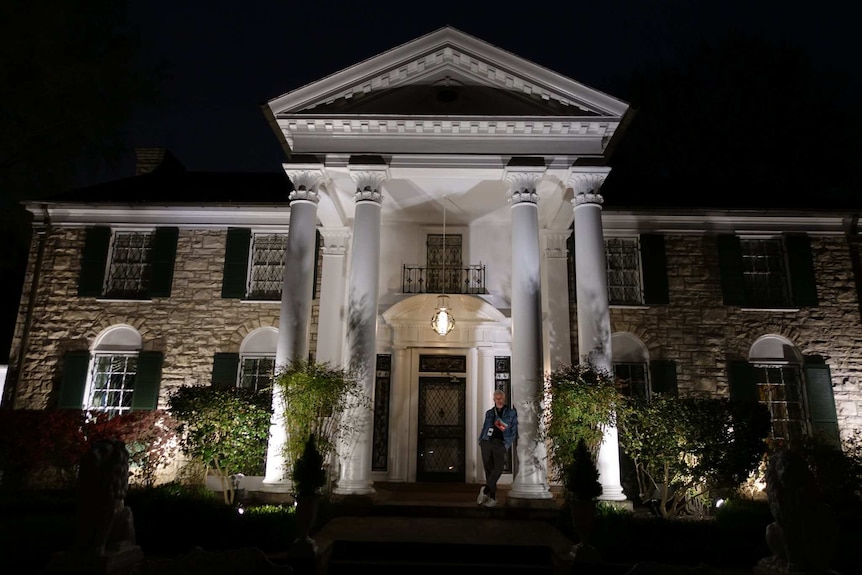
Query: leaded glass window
column 130, row 265
column 267, row 266
column 764, row 273
column 112, row 382
column 624, row 271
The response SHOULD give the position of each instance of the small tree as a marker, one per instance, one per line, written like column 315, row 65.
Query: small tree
column 307, row 473
column 225, row 428
column 315, row 397
column 685, row 447
column 581, row 400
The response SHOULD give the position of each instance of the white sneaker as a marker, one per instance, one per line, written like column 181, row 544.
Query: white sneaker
column 490, row 502
column 482, row 497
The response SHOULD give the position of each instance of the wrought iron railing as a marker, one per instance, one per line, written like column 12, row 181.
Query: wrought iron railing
column 434, row 279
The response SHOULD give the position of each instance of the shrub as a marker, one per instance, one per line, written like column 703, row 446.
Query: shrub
column 225, row 428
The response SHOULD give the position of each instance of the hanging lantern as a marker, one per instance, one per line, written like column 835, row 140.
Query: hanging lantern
column 443, row 322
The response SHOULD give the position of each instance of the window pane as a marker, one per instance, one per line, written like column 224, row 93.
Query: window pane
column 112, row 382
column 623, row 269
column 257, row 372
column 131, row 265
column 764, row 274
column 267, row 266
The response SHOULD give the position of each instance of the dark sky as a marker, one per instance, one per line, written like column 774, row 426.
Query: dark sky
column 228, row 57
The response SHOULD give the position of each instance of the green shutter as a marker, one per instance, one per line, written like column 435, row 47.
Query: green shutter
column 800, row 263
column 654, row 269
column 573, row 278
column 75, row 366
column 821, row 403
column 730, row 264
column 148, row 380
column 740, row 377
column 663, row 377
column 164, row 253
column 317, row 242
column 225, row 369
column 236, row 263
column 93, row 261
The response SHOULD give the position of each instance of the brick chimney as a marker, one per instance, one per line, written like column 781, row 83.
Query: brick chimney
column 148, row 160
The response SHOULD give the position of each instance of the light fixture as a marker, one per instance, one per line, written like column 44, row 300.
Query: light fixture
column 442, row 322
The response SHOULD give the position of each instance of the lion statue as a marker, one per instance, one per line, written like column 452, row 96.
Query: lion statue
column 803, row 534
column 105, row 523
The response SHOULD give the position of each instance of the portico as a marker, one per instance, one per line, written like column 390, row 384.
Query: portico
column 446, row 123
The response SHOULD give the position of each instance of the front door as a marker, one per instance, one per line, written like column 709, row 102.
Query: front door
column 442, row 418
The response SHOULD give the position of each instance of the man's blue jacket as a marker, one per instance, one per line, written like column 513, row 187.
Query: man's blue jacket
column 509, row 417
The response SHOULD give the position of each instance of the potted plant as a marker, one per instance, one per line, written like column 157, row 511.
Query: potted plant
column 308, row 475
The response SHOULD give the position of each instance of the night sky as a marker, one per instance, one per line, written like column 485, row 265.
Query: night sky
column 228, row 58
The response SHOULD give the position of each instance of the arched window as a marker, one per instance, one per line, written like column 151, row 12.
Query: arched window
column 114, row 369
column 257, row 358
column 631, row 363
column 777, row 373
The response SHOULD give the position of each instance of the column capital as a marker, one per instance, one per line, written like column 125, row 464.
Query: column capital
column 335, row 240
column 555, row 243
column 586, row 181
column 307, row 179
column 368, row 181
column 522, row 181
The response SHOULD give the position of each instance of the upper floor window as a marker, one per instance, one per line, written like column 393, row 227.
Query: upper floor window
column 127, row 264
column 636, row 270
column 266, row 270
column 254, row 264
column 767, row 272
column 624, row 271
column 764, row 273
column 130, row 265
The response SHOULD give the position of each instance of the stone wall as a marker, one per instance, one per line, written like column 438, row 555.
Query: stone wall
column 188, row 327
column 701, row 334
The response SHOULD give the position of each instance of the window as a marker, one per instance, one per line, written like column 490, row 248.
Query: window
column 764, row 273
column 624, row 271
column 124, row 264
column 267, row 266
column 780, row 389
column 636, row 270
column 254, row 264
column 444, row 259
column 116, row 377
column 113, row 382
column 632, row 379
column 256, row 372
column 767, row 272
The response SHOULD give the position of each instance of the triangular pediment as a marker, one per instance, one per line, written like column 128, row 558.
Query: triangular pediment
column 411, row 78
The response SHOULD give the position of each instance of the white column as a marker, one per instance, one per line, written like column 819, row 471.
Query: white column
column 363, row 288
column 594, row 324
column 399, row 415
column 555, row 297
column 295, row 316
column 330, row 326
column 484, row 401
column 531, row 481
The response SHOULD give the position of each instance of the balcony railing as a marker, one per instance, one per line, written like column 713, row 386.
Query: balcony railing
column 432, row 279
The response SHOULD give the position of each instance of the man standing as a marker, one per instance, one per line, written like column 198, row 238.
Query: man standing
column 497, row 436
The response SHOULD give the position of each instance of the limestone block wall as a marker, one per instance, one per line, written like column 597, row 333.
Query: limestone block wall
column 189, row 327
column 701, row 334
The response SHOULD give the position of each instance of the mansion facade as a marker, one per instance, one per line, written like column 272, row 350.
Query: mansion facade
column 444, row 173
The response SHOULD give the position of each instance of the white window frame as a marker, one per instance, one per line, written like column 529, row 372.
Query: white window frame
column 255, row 357
column 250, row 273
column 635, row 289
column 111, row 266
column 748, row 272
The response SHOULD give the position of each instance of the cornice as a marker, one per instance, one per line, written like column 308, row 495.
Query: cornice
column 276, row 215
